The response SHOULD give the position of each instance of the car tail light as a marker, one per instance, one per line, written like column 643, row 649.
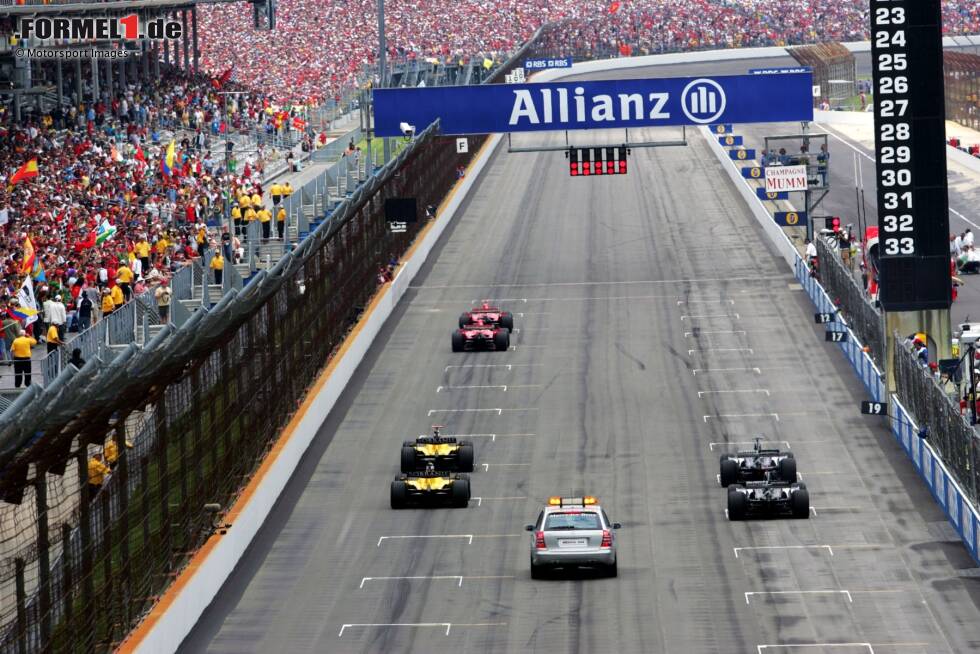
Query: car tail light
column 539, row 540
column 606, row 538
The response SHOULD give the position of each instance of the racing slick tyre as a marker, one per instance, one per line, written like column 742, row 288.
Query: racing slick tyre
column 789, row 455
column 507, row 321
column 801, row 503
column 501, row 341
column 464, row 460
column 399, row 494
column 464, row 320
column 461, row 493
column 787, row 470
column 612, row 570
column 458, row 342
column 408, row 458
column 729, row 472
column 536, row 571
column 736, row 504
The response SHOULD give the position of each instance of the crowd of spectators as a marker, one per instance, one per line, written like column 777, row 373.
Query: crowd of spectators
column 665, row 26
column 322, row 47
column 105, row 219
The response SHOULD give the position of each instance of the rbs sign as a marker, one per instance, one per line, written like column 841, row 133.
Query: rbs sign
column 603, row 104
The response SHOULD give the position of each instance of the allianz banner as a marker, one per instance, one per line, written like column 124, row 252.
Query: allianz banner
column 602, row 104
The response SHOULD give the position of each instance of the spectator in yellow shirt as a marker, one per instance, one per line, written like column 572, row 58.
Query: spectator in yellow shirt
column 287, row 190
column 111, row 452
column 97, row 472
column 281, row 222
column 117, row 296
column 53, row 338
column 244, row 201
column 202, row 239
column 124, row 278
column 256, row 201
column 143, row 253
column 20, row 350
column 236, row 216
column 108, row 306
column 276, row 191
column 218, row 266
column 265, row 217
column 249, row 219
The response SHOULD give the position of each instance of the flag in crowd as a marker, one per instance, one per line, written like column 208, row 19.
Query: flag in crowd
column 169, row 159
column 105, row 232
column 37, row 272
column 27, row 171
column 26, row 309
column 27, row 261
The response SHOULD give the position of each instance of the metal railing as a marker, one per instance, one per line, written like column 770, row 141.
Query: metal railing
column 862, row 316
column 119, row 328
column 938, row 407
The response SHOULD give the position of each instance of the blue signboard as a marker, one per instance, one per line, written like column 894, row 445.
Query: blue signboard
column 730, row 141
column 541, row 64
column 778, row 195
column 790, row 218
column 742, row 154
column 605, row 104
column 721, row 129
column 754, row 172
column 780, row 71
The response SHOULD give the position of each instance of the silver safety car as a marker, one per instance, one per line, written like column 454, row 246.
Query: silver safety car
column 573, row 532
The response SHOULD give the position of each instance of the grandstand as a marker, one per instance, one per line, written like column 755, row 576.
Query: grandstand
column 332, row 44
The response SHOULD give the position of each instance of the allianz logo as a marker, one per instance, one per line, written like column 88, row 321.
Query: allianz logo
column 703, row 101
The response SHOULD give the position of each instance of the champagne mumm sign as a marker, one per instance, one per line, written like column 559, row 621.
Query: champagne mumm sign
column 783, row 179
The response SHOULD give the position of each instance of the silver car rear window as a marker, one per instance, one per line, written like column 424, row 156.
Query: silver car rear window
column 572, row 520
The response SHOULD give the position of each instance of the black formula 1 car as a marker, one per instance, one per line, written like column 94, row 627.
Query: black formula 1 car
column 769, row 497
column 480, row 336
column 430, row 488
column 489, row 315
column 755, row 464
column 441, row 452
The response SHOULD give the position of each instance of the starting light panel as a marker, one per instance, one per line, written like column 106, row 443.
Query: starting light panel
column 584, row 162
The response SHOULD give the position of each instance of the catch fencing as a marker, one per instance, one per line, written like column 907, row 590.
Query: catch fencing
column 950, row 434
column 834, row 71
column 859, row 358
column 200, row 405
column 848, row 297
column 962, row 86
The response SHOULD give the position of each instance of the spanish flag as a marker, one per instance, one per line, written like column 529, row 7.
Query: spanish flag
column 169, row 159
column 27, row 262
column 27, row 171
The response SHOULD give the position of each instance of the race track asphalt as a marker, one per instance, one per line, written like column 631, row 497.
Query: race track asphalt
column 657, row 329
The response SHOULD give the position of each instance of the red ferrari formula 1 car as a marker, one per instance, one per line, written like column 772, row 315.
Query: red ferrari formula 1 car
column 490, row 315
column 480, row 336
